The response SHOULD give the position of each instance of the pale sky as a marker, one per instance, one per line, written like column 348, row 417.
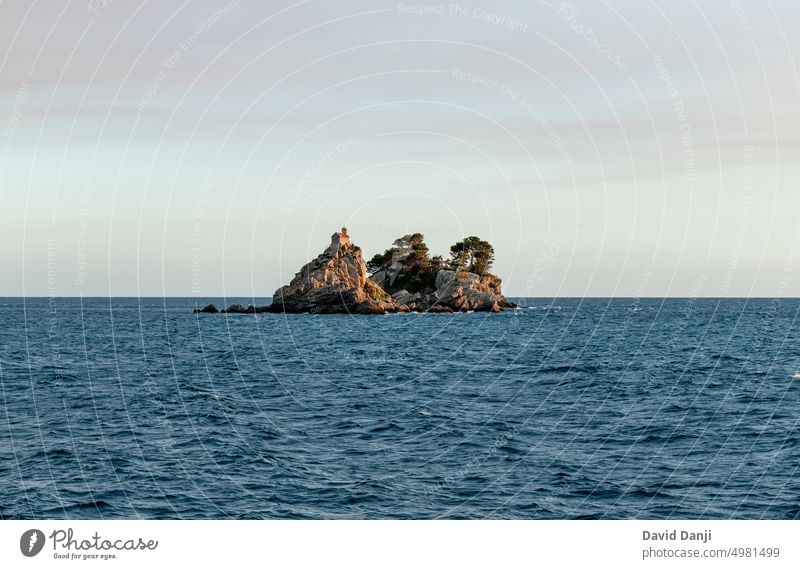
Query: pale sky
column 207, row 148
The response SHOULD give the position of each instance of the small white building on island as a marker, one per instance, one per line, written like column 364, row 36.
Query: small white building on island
column 340, row 238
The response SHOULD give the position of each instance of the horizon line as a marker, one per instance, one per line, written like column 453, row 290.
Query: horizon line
column 507, row 295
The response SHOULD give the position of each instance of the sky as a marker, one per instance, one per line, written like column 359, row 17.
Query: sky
column 211, row 147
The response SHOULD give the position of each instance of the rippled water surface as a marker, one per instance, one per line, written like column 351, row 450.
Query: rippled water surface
column 566, row 408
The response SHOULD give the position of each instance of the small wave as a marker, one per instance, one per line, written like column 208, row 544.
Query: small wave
column 511, row 449
column 52, row 454
column 728, row 357
column 96, row 504
column 796, row 375
column 429, row 413
column 587, row 517
column 386, row 427
column 648, row 493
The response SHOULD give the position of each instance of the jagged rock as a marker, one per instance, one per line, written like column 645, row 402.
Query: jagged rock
column 463, row 291
column 240, row 309
column 334, row 283
column 457, row 291
column 208, row 309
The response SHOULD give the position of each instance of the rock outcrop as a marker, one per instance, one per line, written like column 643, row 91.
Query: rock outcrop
column 461, row 290
column 458, row 291
column 334, row 283
column 425, row 284
column 241, row 309
column 233, row 309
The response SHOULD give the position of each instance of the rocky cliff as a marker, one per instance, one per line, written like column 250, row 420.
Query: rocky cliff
column 335, row 282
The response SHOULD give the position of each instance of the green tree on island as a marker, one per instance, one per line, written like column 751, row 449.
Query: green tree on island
column 382, row 261
column 415, row 271
column 472, row 254
column 412, row 245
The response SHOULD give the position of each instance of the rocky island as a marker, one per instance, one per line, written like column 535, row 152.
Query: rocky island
column 404, row 278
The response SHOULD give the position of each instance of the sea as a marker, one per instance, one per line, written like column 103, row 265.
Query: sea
column 564, row 408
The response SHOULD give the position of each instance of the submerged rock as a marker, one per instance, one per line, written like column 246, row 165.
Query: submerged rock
column 240, row 309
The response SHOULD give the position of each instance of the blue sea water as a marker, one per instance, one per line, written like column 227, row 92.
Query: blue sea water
column 562, row 409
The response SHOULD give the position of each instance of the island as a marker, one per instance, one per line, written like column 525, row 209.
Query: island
column 404, row 278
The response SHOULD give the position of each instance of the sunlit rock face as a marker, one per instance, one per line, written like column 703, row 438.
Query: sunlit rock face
column 335, row 282
column 462, row 291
